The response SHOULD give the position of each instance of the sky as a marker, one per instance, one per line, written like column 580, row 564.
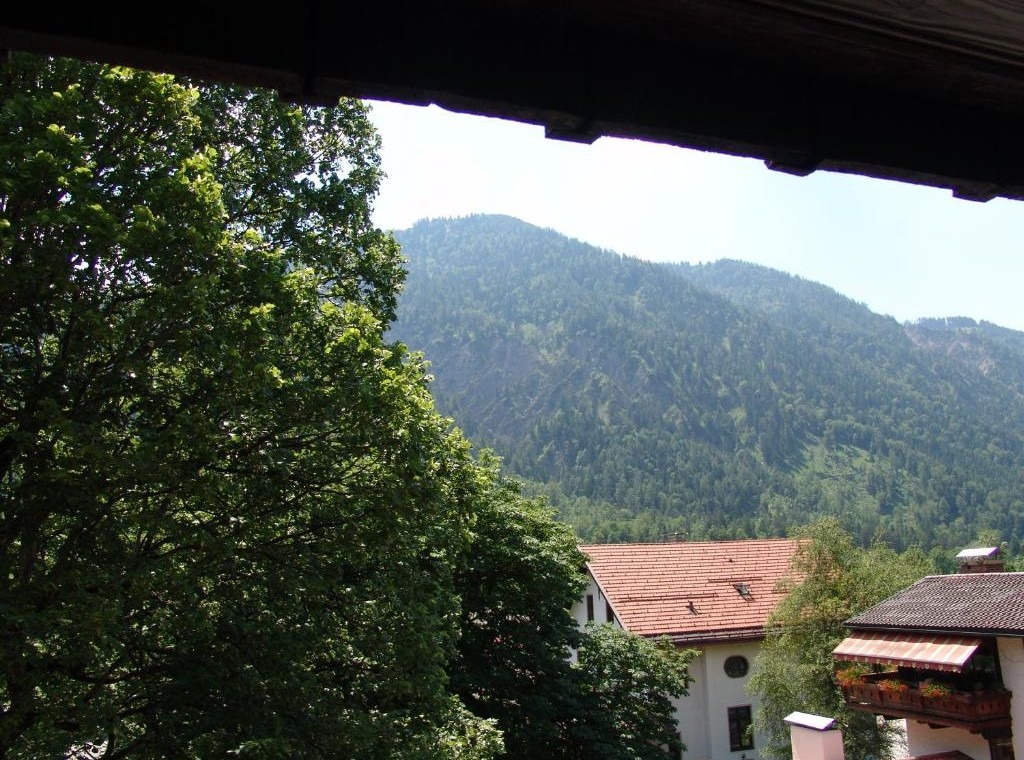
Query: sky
column 903, row 250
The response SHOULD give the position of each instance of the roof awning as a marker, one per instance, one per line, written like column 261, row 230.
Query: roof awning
column 910, row 650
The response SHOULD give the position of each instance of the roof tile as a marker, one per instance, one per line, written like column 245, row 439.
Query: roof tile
column 691, row 590
column 990, row 603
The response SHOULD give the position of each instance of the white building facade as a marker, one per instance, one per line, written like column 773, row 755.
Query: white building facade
column 713, row 597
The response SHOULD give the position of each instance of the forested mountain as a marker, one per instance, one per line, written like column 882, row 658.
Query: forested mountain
column 715, row 400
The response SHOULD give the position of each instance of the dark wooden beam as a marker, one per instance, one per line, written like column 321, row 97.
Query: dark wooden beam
column 733, row 76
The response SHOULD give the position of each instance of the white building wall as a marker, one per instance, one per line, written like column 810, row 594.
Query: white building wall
column 692, row 713
column 1011, row 662
column 579, row 609
column 702, row 715
column 922, row 740
column 725, row 692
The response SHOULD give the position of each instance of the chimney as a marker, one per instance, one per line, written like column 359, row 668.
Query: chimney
column 814, row 737
column 988, row 559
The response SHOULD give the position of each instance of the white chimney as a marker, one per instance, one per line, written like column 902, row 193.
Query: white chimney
column 986, row 559
column 814, row 737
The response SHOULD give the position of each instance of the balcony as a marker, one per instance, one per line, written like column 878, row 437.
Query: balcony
column 977, row 711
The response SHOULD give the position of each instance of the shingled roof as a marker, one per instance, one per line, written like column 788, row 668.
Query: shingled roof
column 693, row 591
column 976, row 603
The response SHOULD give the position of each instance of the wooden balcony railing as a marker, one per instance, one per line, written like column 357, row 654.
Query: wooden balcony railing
column 975, row 711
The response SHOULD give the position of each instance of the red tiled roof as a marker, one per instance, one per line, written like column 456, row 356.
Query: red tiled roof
column 691, row 591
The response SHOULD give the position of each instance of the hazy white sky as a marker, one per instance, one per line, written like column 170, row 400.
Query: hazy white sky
column 903, row 250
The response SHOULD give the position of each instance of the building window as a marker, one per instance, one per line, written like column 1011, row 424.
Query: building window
column 590, row 608
column 741, row 733
column 609, row 616
column 736, row 666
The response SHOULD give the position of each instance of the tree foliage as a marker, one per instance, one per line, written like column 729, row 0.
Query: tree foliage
column 832, row 580
column 229, row 507
column 233, row 523
column 522, row 574
column 627, row 684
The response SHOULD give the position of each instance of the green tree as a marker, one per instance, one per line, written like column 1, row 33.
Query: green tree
column 832, row 580
column 626, row 688
column 520, row 577
column 229, row 509
column 522, row 573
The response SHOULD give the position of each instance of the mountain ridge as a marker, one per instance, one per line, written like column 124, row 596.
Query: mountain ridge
column 720, row 400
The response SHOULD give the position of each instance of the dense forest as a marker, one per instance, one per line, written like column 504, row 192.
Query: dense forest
column 711, row 401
